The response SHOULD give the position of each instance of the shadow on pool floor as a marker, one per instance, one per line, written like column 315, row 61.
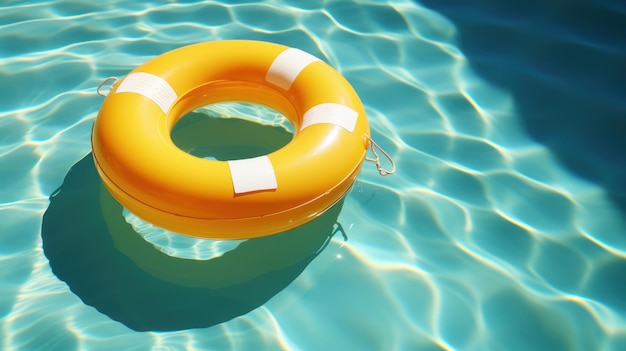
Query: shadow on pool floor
column 109, row 266
column 563, row 62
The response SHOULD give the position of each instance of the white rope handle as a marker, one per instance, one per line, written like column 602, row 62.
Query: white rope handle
column 99, row 90
column 373, row 147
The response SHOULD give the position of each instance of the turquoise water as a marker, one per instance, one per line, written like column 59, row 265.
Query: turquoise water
column 503, row 229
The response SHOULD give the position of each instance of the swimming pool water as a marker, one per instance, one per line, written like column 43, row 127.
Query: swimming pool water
column 503, row 229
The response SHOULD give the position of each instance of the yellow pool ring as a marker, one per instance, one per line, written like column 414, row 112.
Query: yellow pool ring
column 236, row 199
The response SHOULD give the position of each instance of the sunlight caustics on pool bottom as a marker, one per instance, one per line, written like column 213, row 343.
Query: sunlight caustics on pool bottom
column 482, row 240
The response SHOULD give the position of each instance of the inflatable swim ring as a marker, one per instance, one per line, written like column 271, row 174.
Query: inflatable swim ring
column 235, row 199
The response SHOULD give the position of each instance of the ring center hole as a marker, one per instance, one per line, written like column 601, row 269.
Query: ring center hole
column 232, row 130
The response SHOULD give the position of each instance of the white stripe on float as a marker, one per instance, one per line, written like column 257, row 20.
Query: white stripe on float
column 252, row 174
column 332, row 113
column 153, row 87
column 286, row 67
